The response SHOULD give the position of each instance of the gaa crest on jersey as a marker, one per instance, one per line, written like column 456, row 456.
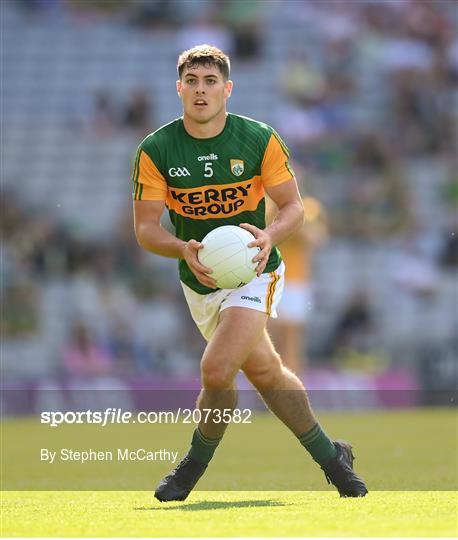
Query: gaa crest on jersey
column 237, row 167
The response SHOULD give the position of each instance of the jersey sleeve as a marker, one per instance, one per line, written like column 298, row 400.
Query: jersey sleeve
column 275, row 167
column 149, row 183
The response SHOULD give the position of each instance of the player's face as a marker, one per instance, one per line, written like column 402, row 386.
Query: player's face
column 203, row 92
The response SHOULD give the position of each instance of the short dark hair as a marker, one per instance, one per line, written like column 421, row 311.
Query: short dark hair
column 204, row 55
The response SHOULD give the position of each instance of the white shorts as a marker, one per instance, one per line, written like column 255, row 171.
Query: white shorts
column 297, row 303
column 262, row 294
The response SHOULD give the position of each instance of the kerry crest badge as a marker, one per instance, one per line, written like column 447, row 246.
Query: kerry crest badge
column 237, row 167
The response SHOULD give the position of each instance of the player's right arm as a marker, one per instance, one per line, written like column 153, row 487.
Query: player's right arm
column 153, row 237
column 149, row 194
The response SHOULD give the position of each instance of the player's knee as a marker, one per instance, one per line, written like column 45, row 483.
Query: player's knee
column 216, row 377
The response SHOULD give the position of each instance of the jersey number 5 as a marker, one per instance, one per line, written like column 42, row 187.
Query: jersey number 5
column 208, row 170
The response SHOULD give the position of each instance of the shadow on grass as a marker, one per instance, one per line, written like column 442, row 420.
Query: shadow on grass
column 214, row 505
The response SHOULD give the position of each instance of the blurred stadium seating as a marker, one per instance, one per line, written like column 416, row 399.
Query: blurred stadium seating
column 367, row 69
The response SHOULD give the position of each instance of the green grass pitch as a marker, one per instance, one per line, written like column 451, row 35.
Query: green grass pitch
column 407, row 457
column 210, row 513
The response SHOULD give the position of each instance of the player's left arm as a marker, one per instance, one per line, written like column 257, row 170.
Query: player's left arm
column 290, row 218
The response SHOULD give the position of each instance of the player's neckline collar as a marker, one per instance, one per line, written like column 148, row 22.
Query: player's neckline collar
column 216, row 138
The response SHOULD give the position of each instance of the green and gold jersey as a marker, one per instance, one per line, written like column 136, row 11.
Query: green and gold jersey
column 207, row 183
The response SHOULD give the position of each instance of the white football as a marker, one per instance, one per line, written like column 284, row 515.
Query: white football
column 227, row 253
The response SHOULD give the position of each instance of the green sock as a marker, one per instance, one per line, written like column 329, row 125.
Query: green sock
column 318, row 444
column 202, row 448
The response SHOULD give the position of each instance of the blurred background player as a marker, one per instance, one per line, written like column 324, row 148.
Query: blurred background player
column 289, row 330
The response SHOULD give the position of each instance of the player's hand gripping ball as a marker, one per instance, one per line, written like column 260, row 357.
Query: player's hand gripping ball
column 227, row 253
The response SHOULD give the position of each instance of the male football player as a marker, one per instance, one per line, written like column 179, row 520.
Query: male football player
column 211, row 168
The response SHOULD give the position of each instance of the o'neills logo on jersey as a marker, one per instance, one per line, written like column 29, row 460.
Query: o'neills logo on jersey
column 210, row 157
column 216, row 201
